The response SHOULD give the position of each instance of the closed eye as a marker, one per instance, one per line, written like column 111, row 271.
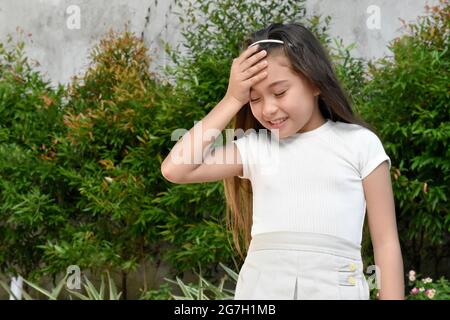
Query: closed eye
column 279, row 94
column 276, row 94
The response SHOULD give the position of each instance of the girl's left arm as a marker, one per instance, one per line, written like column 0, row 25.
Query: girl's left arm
column 383, row 231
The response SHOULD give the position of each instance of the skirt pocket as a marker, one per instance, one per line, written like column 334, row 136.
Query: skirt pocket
column 350, row 279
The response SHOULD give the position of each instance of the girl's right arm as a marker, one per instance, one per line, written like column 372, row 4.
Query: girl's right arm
column 186, row 162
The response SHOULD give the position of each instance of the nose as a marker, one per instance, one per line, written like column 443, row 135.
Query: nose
column 269, row 109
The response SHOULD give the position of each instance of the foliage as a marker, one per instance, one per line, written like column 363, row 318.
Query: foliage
column 426, row 288
column 163, row 292
column 206, row 290
column 31, row 210
column 407, row 100
column 109, row 160
column 91, row 292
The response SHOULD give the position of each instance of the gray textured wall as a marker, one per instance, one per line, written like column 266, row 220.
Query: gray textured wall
column 62, row 50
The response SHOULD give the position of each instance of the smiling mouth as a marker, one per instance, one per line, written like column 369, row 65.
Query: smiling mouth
column 278, row 122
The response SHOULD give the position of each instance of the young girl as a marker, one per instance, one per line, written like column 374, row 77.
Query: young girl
column 301, row 177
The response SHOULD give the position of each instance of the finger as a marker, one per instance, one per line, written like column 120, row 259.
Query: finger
column 255, row 79
column 254, row 69
column 253, row 59
column 248, row 52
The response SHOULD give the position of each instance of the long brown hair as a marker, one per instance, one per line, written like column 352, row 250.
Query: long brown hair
column 308, row 58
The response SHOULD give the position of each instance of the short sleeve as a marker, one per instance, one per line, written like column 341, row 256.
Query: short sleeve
column 244, row 145
column 371, row 153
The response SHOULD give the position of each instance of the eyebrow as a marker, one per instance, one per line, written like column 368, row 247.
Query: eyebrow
column 272, row 84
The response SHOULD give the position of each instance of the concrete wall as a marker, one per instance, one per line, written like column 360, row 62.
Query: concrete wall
column 356, row 21
column 62, row 48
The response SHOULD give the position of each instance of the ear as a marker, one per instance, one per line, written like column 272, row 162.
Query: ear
column 316, row 90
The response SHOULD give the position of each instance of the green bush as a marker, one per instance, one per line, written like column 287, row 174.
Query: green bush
column 109, row 160
column 427, row 288
column 407, row 99
column 31, row 210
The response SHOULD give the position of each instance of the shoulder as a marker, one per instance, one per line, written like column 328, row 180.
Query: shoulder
column 252, row 136
column 348, row 128
column 248, row 142
column 366, row 145
column 354, row 133
column 254, row 152
column 360, row 140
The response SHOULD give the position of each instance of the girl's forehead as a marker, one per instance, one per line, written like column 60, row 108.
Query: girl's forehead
column 278, row 74
column 269, row 83
column 280, row 64
column 279, row 59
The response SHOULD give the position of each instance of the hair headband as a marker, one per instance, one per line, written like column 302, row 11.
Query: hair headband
column 266, row 40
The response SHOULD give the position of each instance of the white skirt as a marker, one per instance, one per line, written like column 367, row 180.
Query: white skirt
column 301, row 266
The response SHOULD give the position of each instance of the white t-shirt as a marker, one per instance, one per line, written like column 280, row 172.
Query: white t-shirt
column 311, row 181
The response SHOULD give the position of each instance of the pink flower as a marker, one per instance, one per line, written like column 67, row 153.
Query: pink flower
column 414, row 291
column 430, row 293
